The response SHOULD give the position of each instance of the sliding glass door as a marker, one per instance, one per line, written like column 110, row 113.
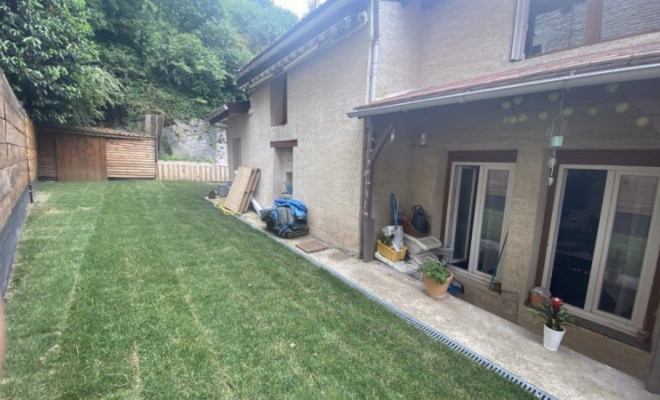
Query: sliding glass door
column 605, row 243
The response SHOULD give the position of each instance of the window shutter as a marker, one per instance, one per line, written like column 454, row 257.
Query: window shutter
column 520, row 23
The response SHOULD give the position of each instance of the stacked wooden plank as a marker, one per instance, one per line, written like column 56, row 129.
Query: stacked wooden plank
column 242, row 189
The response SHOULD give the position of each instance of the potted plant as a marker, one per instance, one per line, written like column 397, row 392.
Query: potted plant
column 436, row 277
column 555, row 318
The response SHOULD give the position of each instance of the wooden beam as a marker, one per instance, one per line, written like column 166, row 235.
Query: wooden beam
column 368, row 238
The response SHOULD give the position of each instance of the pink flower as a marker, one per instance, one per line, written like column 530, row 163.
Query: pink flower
column 556, row 304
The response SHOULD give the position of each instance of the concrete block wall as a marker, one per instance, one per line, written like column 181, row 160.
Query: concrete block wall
column 17, row 169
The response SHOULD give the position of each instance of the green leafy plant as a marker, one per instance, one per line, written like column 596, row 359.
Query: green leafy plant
column 435, row 270
column 554, row 314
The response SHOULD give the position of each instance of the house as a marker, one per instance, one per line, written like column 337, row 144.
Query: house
column 523, row 127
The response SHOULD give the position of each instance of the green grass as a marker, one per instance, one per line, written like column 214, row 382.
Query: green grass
column 128, row 290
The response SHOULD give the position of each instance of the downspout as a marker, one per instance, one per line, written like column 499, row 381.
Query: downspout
column 375, row 49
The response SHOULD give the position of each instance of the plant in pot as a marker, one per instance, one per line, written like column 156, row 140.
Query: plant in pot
column 555, row 318
column 436, row 277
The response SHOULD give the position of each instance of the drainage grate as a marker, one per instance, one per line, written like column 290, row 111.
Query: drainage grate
column 432, row 332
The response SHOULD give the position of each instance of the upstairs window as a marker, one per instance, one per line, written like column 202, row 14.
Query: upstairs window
column 546, row 26
column 278, row 100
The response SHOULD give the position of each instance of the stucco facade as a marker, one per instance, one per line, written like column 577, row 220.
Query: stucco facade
column 327, row 161
column 421, row 47
column 420, row 178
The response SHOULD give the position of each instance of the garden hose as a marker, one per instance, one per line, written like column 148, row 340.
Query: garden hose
column 221, row 206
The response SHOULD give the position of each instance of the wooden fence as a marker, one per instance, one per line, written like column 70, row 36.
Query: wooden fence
column 18, row 168
column 191, row 171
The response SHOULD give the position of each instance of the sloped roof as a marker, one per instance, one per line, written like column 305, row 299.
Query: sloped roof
column 601, row 61
column 96, row 131
column 326, row 15
column 227, row 110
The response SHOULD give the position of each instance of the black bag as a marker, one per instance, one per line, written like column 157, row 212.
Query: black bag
column 418, row 219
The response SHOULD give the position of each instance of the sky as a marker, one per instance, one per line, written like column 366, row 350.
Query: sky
column 299, row 7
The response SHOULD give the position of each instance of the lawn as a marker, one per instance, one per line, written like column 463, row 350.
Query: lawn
column 128, row 290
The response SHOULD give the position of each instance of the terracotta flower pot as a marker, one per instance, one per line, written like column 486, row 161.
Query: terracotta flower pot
column 434, row 289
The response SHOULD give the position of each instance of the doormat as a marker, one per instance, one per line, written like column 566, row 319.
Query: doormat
column 312, row 246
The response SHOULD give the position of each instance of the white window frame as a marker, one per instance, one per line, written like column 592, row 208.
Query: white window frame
column 477, row 222
column 608, row 210
column 520, row 26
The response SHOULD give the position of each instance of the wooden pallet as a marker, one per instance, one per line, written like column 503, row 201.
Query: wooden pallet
column 242, row 189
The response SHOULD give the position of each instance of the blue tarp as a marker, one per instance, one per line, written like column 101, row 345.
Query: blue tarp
column 287, row 215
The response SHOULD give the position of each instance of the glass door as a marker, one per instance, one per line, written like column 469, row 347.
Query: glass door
column 625, row 252
column 606, row 242
column 466, row 194
column 480, row 196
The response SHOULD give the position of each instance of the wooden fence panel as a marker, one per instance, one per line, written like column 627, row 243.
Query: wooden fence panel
column 18, row 166
column 191, row 171
column 131, row 158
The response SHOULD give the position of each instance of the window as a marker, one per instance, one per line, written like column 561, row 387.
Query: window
column 278, row 100
column 605, row 238
column 479, row 202
column 545, row 26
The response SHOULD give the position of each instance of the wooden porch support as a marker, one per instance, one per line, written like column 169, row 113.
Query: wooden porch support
column 374, row 145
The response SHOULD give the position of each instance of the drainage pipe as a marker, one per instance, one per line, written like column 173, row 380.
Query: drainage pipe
column 375, row 49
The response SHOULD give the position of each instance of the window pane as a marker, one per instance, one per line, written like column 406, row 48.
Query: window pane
column 466, row 180
column 629, row 17
column 579, row 219
column 556, row 25
column 493, row 219
column 625, row 256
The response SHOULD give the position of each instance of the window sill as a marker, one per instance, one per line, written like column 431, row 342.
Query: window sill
column 535, row 56
column 480, row 279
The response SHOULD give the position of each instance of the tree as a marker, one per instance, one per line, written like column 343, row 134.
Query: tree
column 80, row 62
column 47, row 53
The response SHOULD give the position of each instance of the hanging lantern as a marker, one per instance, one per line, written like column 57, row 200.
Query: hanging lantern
column 555, row 134
column 559, row 127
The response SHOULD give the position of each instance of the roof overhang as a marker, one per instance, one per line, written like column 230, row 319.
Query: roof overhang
column 94, row 131
column 225, row 111
column 571, row 80
column 328, row 14
column 618, row 65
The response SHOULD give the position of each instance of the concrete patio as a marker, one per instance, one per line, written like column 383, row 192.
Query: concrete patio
column 565, row 374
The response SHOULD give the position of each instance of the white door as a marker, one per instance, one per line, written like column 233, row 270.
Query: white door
column 605, row 242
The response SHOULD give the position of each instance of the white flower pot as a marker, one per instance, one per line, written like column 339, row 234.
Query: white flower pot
column 552, row 338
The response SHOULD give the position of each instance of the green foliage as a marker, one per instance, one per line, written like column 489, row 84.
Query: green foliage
column 435, row 270
column 76, row 61
column 178, row 57
column 191, row 159
column 47, row 53
column 554, row 315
